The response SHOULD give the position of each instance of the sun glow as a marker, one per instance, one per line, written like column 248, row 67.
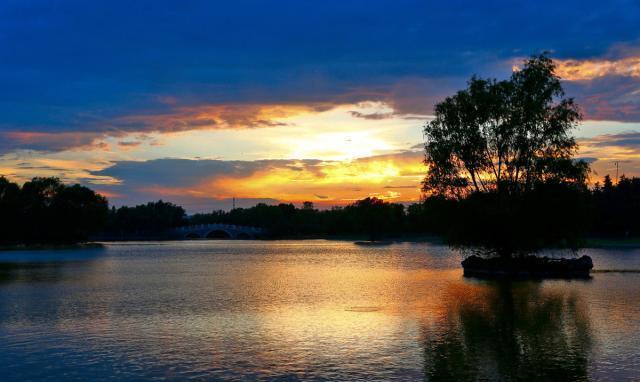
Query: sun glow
column 335, row 182
column 337, row 146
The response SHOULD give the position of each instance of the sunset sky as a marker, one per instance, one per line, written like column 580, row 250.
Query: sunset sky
column 198, row 102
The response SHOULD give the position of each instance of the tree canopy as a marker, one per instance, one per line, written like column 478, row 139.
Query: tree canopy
column 504, row 151
column 149, row 218
column 46, row 210
column 504, row 136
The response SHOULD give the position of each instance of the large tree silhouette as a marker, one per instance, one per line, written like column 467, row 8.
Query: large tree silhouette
column 504, row 151
column 504, row 136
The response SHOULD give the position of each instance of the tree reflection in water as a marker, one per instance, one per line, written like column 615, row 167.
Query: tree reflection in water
column 509, row 332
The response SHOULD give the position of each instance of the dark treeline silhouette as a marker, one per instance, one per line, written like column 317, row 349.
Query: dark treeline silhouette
column 372, row 217
column 45, row 210
column 617, row 207
column 552, row 209
column 551, row 215
column 145, row 219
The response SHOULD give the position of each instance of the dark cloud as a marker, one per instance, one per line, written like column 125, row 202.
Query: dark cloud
column 610, row 98
column 129, row 144
column 45, row 141
column 170, row 172
column 628, row 141
column 140, row 181
column 371, row 116
column 589, row 160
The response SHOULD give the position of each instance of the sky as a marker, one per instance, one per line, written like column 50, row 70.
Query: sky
column 200, row 102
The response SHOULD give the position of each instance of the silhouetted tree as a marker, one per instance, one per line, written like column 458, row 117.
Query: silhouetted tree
column 617, row 208
column 607, row 184
column 150, row 218
column 500, row 147
column 10, row 212
column 46, row 210
column 375, row 216
column 504, row 136
column 79, row 211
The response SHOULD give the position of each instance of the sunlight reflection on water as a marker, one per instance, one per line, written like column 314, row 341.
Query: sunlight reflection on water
column 308, row 310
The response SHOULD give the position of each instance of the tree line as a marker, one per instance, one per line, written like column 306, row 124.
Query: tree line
column 46, row 210
column 608, row 210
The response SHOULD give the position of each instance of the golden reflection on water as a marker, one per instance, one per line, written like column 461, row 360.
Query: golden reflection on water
column 311, row 310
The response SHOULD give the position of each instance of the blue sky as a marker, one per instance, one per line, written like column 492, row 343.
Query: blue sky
column 88, row 86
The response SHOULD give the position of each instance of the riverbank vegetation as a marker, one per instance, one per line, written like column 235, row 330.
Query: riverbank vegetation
column 44, row 210
column 587, row 213
column 606, row 212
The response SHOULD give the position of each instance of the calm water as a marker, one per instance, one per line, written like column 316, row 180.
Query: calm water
column 319, row 310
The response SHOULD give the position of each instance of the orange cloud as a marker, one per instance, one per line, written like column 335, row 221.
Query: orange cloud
column 68, row 170
column 585, row 70
column 393, row 177
column 332, row 182
column 184, row 118
column 608, row 149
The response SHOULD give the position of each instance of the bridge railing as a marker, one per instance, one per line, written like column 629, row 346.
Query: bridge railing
column 219, row 226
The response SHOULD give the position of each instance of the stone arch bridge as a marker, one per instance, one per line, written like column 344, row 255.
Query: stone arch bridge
column 217, row 231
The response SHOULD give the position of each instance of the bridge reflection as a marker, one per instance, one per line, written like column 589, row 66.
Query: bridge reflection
column 218, row 231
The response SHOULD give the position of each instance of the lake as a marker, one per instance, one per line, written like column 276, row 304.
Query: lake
column 307, row 310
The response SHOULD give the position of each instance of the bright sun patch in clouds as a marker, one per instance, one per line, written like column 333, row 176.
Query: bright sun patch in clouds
column 348, row 132
column 337, row 146
column 334, row 134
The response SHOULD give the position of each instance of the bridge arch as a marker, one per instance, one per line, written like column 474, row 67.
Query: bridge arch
column 218, row 234
column 216, row 231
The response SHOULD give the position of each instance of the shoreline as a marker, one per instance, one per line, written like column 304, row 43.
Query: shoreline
column 50, row 246
column 590, row 243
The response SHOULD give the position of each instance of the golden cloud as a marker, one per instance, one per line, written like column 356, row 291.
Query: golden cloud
column 394, row 177
column 585, row 70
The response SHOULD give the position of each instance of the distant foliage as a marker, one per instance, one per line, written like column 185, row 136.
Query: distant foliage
column 46, row 210
column 617, row 207
column 153, row 217
column 370, row 216
column 552, row 214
